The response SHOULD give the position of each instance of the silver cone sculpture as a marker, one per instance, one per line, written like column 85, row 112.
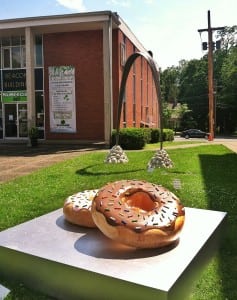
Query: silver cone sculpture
column 116, row 155
column 160, row 160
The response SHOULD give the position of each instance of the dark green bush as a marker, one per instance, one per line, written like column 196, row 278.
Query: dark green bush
column 147, row 134
column 136, row 138
column 168, row 135
column 155, row 135
column 130, row 138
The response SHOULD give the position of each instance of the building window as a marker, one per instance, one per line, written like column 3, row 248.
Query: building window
column 134, row 100
column 23, row 56
column 38, row 51
column 16, row 57
column 141, row 88
column 1, row 125
column 122, row 54
column 134, row 93
column 123, row 51
column 6, row 58
column 147, row 115
column 39, row 79
column 124, row 115
column 39, row 85
column 39, row 110
column 6, row 41
column 13, row 52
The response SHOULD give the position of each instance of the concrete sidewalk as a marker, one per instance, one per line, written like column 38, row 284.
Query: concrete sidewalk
column 19, row 159
column 232, row 144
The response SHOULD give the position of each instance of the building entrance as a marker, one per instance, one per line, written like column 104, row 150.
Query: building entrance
column 15, row 120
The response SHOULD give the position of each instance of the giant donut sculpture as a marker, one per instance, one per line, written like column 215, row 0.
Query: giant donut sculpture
column 77, row 208
column 138, row 213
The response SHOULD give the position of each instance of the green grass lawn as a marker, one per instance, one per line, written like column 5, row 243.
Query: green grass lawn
column 208, row 180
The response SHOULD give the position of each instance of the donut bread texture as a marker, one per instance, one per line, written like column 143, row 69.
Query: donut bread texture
column 77, row 208
column 138, row 213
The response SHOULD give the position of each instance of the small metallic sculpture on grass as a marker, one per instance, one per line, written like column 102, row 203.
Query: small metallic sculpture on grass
column 116, row 154
column 159, row 160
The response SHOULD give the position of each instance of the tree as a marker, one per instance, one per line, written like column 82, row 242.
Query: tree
column 228, row 37
column 188, row 121
column 194, row 90
column 225, row 63
column 188, row 84
column 227, row 100
column 170, row 84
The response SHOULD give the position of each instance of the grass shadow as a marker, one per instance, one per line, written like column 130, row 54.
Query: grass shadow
column 219, row 177
column 18, row 150
column 87, row 171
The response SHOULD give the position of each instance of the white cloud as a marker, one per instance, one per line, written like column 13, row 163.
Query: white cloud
column 73, row 4
column 149, row 2
column 124, row 3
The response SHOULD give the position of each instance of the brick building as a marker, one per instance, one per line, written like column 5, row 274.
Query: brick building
column 62, row 73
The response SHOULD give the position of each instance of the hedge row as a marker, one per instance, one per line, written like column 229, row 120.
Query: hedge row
column 137, row 138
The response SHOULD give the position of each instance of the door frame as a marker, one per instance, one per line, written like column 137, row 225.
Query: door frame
column 18, row 137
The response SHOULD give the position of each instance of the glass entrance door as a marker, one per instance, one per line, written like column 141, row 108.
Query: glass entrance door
column 15, row 116
column 10, row 120
column 22, row 120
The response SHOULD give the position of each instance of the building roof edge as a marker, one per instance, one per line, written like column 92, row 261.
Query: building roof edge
column 129, row 33
column 34, row 20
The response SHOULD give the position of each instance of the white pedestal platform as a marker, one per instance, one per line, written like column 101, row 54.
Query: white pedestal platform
column 70, row 262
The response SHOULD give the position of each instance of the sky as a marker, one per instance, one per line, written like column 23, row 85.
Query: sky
column 169, row 28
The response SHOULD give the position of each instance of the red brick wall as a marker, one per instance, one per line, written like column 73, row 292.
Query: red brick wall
column 84, row 51
column 145, row 94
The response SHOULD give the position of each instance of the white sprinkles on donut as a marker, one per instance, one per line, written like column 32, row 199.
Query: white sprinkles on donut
column 77, row 208
column 81, row 200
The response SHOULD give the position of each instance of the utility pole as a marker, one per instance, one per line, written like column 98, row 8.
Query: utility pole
column 210, row 73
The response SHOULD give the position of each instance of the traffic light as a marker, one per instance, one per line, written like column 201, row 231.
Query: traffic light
column 204, row 46
column 218, row 44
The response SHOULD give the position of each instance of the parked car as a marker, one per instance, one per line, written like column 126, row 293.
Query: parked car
column 194, row 133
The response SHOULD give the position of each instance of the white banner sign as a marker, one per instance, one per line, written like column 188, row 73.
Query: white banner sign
column 62, row 99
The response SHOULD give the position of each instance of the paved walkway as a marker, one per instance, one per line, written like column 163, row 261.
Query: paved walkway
column 19, row 159
column 232, row 145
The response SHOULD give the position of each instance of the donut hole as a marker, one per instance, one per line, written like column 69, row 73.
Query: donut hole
column 141, row 200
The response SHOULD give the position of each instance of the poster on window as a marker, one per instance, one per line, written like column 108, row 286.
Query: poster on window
column 62, row 99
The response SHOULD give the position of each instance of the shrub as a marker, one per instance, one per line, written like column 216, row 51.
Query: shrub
column 155, row 135
column 147, row 134
column 168, row 135
column 130, row 138
column 136, row 138
column 33, row 133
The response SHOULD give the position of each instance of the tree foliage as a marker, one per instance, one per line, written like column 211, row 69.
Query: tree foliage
column 188, row 84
